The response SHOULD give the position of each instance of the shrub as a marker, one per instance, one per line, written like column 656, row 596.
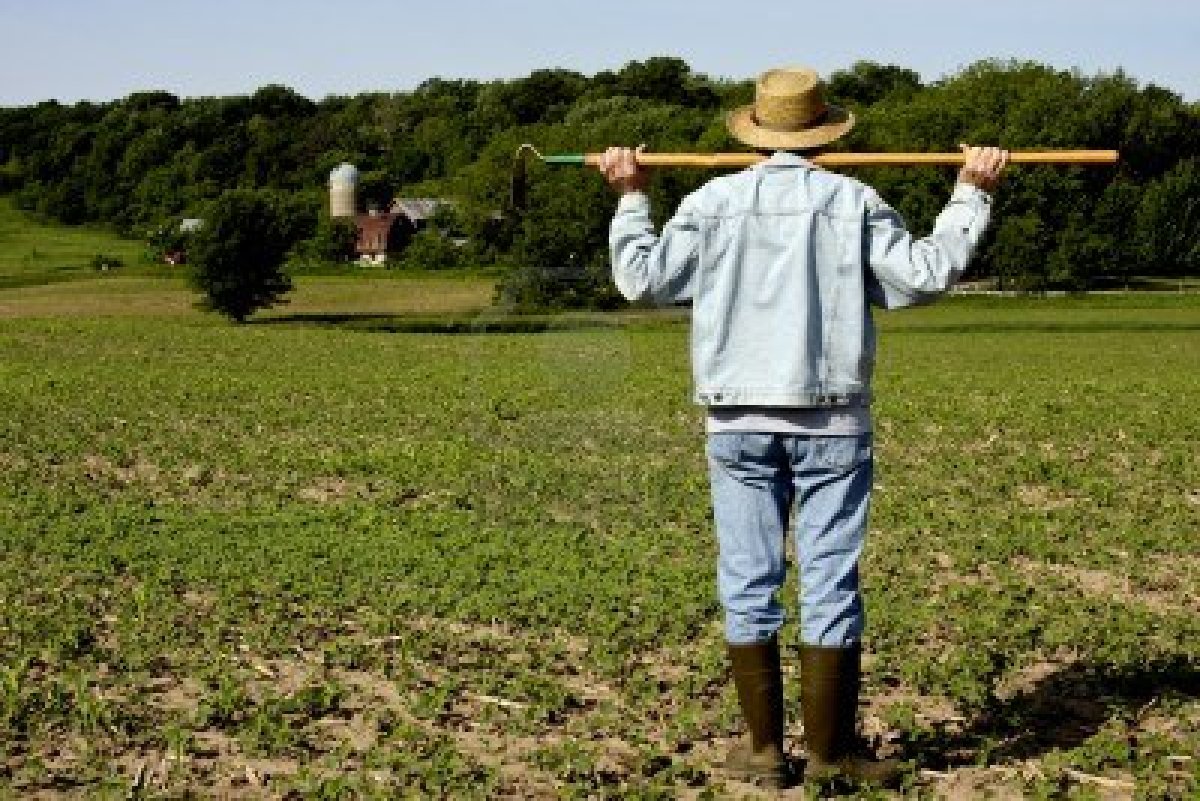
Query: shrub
column 560, row 258
column 430, row 249
column 331, row 242
column 102, row 262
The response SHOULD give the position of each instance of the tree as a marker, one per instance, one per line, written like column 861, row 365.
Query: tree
column 1019, row 252
column 1081, row 253
column 1168, row 221
column 561, row 252
column 543, row 96
column 666, row 79
column 154, row 99
column 868, row 82
column 274, row 100
column 332, row 242
column 237, row 255
column 432, row 249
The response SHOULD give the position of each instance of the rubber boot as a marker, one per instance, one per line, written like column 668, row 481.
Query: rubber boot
column 829, row 685
column 759, row 756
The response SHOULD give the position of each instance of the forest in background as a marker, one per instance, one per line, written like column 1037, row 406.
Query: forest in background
column 142, row 163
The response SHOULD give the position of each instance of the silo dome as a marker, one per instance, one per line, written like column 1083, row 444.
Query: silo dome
column 344, row 173
column 343, row 183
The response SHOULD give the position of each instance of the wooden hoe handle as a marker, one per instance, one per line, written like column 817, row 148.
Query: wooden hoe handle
column 519, row 195
column 718, row 160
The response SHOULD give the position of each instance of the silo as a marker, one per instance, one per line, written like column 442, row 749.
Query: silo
column 343, row 188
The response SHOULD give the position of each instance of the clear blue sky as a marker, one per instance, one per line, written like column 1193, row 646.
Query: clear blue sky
column 104, row 49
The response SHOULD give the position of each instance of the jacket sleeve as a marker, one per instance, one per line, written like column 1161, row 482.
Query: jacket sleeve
column 903, row 271
column 646, row 266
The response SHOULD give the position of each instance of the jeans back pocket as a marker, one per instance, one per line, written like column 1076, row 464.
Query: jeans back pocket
column 843, row 454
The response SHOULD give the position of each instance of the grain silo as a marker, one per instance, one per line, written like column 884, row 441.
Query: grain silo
column 343, row 191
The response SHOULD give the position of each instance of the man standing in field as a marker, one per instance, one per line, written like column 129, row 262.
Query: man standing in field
column 781, row 263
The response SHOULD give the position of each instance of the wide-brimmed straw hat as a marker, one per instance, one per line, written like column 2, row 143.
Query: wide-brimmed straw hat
column 789, row 112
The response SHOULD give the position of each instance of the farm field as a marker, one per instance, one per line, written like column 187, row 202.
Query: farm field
column 314, row 296
column 45, row 271
column 334, row 561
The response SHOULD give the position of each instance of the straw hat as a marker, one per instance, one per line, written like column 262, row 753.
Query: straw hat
column 789, row 112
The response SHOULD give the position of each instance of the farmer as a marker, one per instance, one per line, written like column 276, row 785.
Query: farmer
column 781, row 263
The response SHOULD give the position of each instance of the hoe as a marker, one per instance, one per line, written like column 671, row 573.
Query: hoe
column 739, row 160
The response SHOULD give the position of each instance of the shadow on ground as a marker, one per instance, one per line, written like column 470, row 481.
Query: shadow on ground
column 1061, row 711
column 473, row 324
column 1040, row 326
column 508, row 323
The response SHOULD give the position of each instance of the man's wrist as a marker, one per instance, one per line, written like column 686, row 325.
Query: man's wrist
column 633, row 198
column 983, row 183
column 964, row 189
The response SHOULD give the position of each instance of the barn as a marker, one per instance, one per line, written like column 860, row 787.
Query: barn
column 381, row 233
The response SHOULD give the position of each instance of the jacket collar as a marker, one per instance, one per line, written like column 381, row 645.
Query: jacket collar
column 783, row 158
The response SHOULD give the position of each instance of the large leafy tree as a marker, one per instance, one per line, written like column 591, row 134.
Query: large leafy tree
column 237, row 255
column 867, row 82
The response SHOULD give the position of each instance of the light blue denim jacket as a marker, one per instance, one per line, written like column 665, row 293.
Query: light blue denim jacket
column 782, row 262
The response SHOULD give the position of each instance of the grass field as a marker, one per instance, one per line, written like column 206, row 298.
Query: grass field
column 340, row 562
column 314, row 299
column 38, row 252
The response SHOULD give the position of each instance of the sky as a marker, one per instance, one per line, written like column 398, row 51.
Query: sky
column 104, row 49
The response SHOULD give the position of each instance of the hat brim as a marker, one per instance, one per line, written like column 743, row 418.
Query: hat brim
column 836, row 122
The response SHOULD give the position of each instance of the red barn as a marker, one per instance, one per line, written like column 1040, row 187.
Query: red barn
column 381, row 233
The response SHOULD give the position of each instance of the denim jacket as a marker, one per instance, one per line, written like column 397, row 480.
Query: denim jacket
column 781, row 263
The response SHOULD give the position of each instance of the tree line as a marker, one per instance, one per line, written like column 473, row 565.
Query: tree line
column 141, row 163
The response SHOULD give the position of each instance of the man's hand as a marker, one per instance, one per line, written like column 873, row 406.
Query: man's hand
column 622, row 171
column 983, row 166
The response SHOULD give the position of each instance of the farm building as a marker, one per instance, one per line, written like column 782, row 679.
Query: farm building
column 177, row 255
column 379, row 232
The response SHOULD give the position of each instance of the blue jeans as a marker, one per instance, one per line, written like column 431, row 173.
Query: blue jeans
column 823, row 484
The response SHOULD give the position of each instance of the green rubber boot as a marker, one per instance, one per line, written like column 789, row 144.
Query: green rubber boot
column 759, row 756
column 829, row 685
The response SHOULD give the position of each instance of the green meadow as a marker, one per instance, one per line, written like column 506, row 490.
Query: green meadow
column 34, row 251
column 332, row 554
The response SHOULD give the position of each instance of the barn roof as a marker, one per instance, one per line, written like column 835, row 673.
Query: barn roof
column 418, row 209
column 372, row 223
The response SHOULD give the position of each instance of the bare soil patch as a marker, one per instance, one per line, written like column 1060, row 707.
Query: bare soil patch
column 1104, row 584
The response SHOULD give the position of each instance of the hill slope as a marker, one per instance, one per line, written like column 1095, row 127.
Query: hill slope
column 34, row 251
